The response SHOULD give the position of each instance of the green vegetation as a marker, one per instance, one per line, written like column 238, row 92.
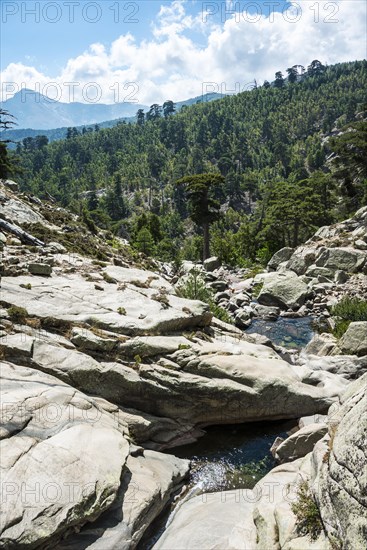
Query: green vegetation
column 121, row 311
column 348, row 310
column 220, row 313
column 203, row 209
column 349, row 164
column 265, row 155
column 27, row 286
column 108, row 278
column 7, row 165
column 194, row 289
column 256, row 289
column 78, row 241
column 184, row 346
column 17, row 314
column 307, row 513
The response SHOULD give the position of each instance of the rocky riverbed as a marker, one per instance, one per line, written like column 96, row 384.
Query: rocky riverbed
column 106, row 370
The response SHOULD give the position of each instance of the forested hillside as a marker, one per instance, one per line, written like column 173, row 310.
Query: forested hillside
column 286, row 169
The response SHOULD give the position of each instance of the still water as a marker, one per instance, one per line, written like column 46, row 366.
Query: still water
column 289, row 333
column 232, row 456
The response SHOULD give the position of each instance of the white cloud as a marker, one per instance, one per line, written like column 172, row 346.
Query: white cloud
column 173, row 65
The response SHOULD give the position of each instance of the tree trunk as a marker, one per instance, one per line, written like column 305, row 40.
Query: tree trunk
column 18, row 232
column 295, row 234
column 206, row 249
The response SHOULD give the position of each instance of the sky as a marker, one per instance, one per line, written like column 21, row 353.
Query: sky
column 154, row 50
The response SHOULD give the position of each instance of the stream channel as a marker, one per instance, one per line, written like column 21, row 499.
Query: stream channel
column 236, row 456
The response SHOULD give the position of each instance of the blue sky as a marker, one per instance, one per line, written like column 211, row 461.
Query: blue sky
column 50, row 44
column 156, row 50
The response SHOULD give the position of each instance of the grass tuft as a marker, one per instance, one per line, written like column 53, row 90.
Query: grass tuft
column 307, row 512
column 348, row 310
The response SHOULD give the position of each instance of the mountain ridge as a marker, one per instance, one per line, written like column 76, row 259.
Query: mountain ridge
column 38, row 114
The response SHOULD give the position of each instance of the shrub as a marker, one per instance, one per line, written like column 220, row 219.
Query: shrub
column 341, row 326
column 220, row 313
column 351, row 309
column 121, row 311
column 348, row 310
column 264, row 255
column 17, row 314
column 87, row 219
column 307, row 513
column 195, row 289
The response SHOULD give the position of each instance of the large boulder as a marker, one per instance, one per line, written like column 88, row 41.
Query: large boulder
column 19, row 212
column 347, row 259
column 284, row 290
column 55, row 476
column 141, row 304
column 321, row 344
column 38, row 268
column 212, row 521
column 347, row 366
column 12, row 185
column 282, row 255
column 302, row 258
column 87, row 340
column 339, row 470
column 150, row 481
column 210, row 264
column 202, row 383
column 300, row 443
column 354, row 340
column 314, row 272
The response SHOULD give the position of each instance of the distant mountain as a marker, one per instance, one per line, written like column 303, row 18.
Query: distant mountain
column 36, row 114
column 34, row 110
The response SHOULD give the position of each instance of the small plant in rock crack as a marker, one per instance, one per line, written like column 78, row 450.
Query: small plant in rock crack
column 108, row 278
column 162, row 298
column 27, row 286
column 307, row 512
column 121, row 311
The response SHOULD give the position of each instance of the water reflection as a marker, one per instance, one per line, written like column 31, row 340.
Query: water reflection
column 289, row 333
